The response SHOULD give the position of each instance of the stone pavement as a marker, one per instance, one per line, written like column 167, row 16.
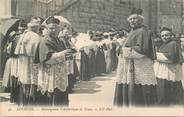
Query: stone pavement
column 99, row 91
column 90, row 98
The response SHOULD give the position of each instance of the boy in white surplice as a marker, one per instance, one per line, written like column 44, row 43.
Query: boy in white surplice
column 27, row 63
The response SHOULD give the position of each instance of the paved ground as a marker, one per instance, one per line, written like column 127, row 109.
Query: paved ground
column 94, row 97
column 97, row 91
column 91, row 96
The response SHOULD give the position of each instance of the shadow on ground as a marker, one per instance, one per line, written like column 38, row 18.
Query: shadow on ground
column 101, row 79
column 86, row 87
column 3, row 99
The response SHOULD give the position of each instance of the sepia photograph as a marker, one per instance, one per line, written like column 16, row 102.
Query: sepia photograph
column 92, row 58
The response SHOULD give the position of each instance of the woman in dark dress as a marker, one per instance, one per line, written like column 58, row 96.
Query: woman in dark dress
column 114, row 57
column 100, row 56
column 92, row 63
column 100, row 61
column 84, row 65
column 87, row 60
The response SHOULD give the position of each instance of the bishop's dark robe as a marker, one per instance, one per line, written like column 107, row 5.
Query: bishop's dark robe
column 134, row 88
column 47, row 47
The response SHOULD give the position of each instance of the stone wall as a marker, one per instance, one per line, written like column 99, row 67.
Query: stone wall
column 171, row 12
column 105, row 14
column 101, row 15
column 42, row 8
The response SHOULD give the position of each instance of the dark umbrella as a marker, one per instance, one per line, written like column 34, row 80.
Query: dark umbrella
column 9, row 25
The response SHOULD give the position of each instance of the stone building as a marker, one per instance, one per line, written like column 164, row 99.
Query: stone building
column 99, row 15
column 171, row 14
column 83, row 14
column 103, row 14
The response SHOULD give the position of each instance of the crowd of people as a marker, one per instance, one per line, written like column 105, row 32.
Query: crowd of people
column 43, row 59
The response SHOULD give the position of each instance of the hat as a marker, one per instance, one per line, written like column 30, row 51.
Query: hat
column 52, row 20
column 22, row 24
column 63, row 20
column 166, row 29
column 112, row 30
column 136, row 11
column 35, row 21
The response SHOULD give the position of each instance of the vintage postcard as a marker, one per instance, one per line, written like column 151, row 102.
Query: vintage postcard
column 91, row 58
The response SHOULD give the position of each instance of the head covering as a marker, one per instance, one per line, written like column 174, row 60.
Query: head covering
column 35, row 21
column 136, row 11
column 22, row 24
column 99, row 34
column 52, row 20
column 63, row 20
column 166, row 29
column 89, row 32
column 106, row 35
column 112, row 30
